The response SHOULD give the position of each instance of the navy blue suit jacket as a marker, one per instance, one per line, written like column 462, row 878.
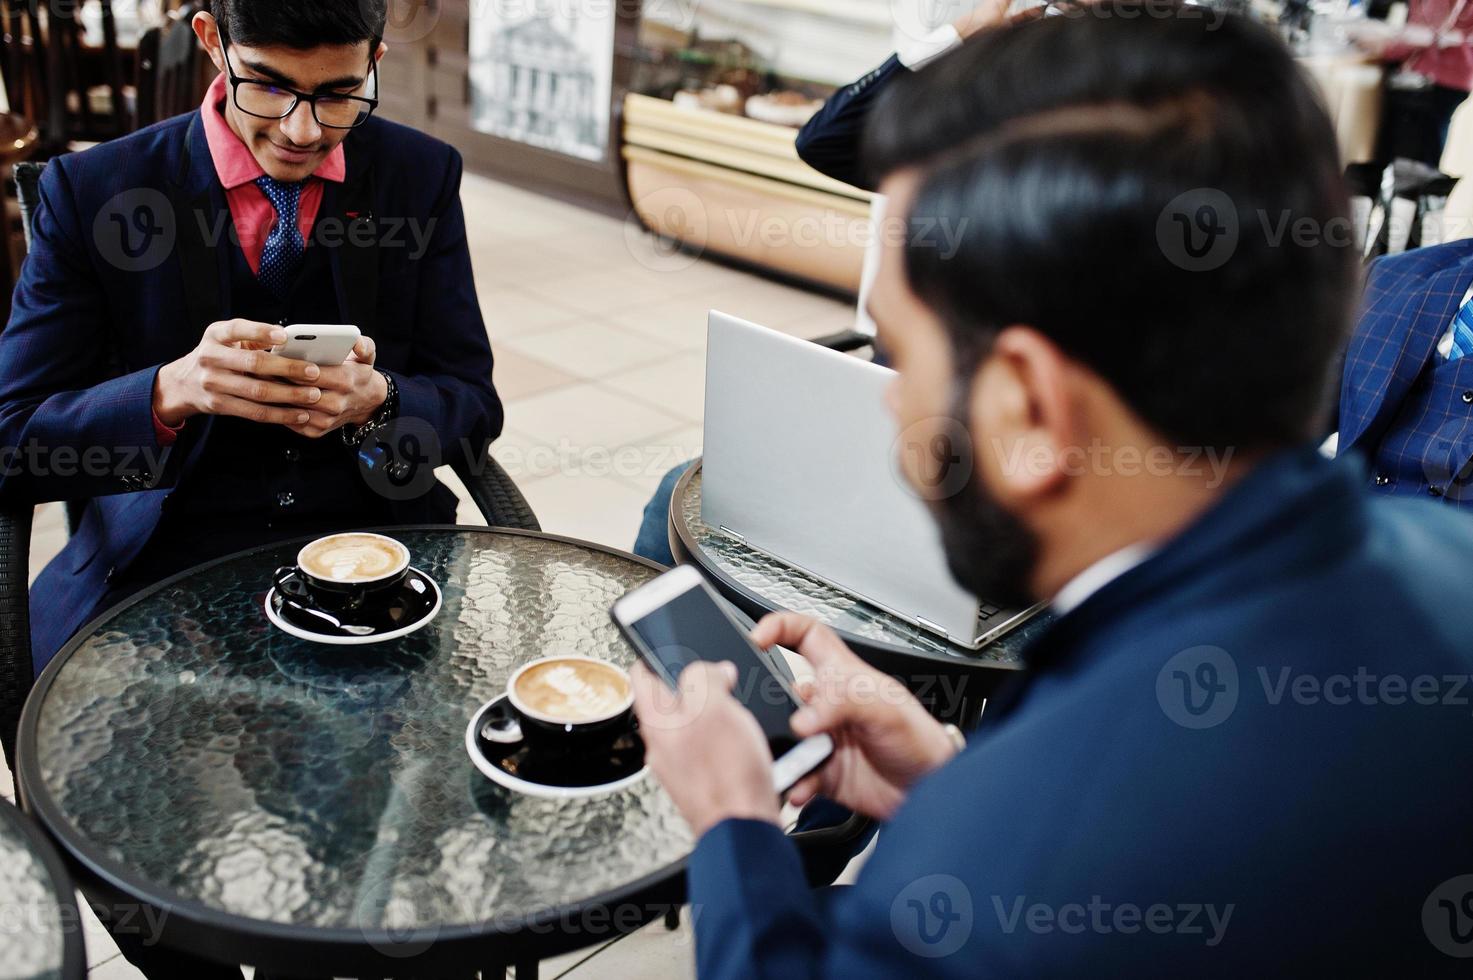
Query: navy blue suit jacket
column 1299, row 806
column 831, row 141
column 92, row 324
column 1410, row 301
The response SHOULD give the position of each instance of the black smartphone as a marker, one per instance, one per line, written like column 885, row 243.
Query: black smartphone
column 676, row 620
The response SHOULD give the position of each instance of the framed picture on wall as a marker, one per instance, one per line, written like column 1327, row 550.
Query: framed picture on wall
column 541, row 73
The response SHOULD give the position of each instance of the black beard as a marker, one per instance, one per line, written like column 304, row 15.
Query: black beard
column 990, row 552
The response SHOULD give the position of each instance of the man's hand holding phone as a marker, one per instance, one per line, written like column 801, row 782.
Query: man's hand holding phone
column 352, row 393
column 706, row 749
column 884, row 739
column 232, row 372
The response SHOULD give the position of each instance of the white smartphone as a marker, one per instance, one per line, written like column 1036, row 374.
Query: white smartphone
column 677, row 620
column 323, row 344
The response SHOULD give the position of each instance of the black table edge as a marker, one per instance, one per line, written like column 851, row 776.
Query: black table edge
column 232, row 938
column 74, row 949
column 885, row 656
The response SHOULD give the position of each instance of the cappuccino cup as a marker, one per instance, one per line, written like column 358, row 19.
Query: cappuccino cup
column 345, row 573
column 565, row 702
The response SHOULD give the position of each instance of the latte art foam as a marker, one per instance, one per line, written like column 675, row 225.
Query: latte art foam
column 573, row 690
column 350, row 558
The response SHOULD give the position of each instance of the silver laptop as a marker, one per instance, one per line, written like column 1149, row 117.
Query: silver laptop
column 799, row 451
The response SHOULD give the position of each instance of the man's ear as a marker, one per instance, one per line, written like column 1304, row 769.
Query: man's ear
column 1022, row 407
column 208, row 33
column 383, row 49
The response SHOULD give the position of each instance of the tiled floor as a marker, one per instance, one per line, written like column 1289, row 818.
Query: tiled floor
column 600, row 357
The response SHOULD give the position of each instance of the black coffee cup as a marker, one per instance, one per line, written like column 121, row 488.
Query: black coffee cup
column 339, row 586
column 568, row 727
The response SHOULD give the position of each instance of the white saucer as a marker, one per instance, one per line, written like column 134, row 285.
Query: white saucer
column 505, row 779
column 356, row 641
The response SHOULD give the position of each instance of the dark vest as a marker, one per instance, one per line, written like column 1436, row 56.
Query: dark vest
column 1431, row 438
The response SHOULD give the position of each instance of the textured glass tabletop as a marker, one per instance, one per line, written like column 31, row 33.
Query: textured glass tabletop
column 32, row 932
column 209, row 755
column 782, row 587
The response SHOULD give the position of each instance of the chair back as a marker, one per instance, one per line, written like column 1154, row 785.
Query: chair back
column 23, row 58
column 169, row 81
column 28, row 194
column 16, row 672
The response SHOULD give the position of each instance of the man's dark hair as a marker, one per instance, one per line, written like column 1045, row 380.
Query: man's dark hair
column 1089, row 171
column 299, row 24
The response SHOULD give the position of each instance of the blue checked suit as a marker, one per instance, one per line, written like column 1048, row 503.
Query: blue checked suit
column 1402, row 406
column 88, row 334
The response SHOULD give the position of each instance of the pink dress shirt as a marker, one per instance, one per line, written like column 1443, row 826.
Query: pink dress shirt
column 250, row 210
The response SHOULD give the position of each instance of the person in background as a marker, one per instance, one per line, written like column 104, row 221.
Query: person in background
column 1210, row 761
column 1406, row 391
column 1433, row 52
column 829, row 143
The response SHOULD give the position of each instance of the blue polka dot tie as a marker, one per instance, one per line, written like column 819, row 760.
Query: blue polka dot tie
column 284, row 247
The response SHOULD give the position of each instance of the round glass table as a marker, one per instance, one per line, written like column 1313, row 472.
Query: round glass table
column 952, row 679
column 40, row 931
column 310, row 808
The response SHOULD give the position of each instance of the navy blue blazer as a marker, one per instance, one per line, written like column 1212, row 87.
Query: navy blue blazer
column 1248, row 756
column 831, row 141
column 93, row 321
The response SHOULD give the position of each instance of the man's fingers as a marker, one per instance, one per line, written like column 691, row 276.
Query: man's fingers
column 807, row 689
column 700, row 680
column 805, row 789
column 264, row 392
column 365, row 351
column 264, row 365
column 256, row 412
column 818, row 644
column 236, row 331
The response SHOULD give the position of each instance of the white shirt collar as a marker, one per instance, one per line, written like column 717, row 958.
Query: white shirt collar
column 1100, row 574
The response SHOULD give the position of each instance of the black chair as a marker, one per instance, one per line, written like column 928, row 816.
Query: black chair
column 490, row 487
column 169, row 69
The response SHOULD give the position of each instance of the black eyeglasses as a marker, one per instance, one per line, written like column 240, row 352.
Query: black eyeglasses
column 268, row 100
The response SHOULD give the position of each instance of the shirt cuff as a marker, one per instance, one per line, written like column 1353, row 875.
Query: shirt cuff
column 166, row 435
column 918, row 54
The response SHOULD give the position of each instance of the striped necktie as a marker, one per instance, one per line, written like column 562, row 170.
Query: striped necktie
column 282, row 257
column 1462, row 332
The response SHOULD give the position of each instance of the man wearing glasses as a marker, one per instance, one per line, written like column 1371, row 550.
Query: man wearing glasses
column 164, row 269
